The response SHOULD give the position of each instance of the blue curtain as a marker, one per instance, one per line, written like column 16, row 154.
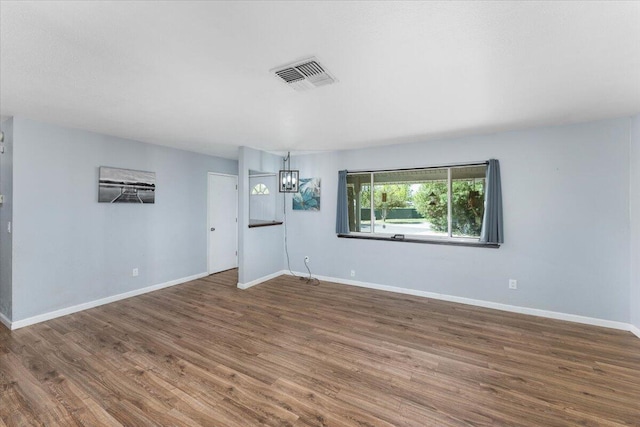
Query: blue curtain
column 492, row 221
column 342, row 214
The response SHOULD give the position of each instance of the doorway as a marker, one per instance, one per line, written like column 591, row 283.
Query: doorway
column 222, row 222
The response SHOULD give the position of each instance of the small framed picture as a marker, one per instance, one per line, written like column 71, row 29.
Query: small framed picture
column 308, row 196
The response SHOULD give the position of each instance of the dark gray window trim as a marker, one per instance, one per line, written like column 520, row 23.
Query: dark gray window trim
column 444, row 166
column 427, row 241
column 450, row 240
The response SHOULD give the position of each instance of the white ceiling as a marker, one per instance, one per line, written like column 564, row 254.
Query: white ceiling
column 195, row 75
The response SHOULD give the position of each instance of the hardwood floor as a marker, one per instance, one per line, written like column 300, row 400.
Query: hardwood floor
column 286, row 353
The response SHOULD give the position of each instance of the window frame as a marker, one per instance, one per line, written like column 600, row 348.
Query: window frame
column 449, row 239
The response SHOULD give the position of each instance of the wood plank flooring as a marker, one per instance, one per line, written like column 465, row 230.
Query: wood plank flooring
column 285, row 353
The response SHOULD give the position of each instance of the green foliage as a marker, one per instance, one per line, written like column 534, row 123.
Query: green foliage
column 398, row 196
column 431, row 202
column 467, row 206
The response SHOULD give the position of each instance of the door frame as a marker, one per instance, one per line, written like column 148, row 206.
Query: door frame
column 208, row 228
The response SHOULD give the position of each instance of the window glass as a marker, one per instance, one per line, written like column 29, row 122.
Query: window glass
column 260, row 189
column 431, row 203
column 359, row 198
column 416, row 203
column 467, row 200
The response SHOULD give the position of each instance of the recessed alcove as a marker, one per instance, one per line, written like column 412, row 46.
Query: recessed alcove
column 263, row 190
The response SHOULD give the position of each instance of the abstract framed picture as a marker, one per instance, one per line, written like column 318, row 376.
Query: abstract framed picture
column 308, row 196
column 126, row 186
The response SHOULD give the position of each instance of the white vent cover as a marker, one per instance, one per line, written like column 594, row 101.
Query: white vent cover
column 304, row 75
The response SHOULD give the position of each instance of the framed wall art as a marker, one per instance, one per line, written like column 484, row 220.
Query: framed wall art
column 126, row 186
column 308, row 196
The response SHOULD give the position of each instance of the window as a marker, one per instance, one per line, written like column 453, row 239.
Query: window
column 429, row 203
column 259, row 190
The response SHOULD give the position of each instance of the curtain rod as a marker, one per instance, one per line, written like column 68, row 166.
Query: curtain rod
column 450, row 165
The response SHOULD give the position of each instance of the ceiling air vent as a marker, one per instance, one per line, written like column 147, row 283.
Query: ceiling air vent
column 304, row 75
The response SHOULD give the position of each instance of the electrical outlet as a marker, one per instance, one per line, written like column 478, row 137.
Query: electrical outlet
column 353, row 273
column 306, row 259
column 513, row 284
column 134, row 273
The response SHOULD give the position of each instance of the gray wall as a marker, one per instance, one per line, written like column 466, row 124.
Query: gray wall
column 6, row 209
column 261, row 248
column 566, row 209
column 634, row 199
column 69, row 249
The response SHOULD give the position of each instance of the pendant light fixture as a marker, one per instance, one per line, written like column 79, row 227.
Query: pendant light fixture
column 288, row 178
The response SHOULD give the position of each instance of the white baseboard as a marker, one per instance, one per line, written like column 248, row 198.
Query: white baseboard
column 84, row 306
column 5, row 321
column 487, row 304
column 480, row 303
column 260, row 280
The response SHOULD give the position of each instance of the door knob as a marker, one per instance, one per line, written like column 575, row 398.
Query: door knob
column 213, row 229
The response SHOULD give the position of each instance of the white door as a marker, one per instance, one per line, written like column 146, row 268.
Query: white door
column 222, row 222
